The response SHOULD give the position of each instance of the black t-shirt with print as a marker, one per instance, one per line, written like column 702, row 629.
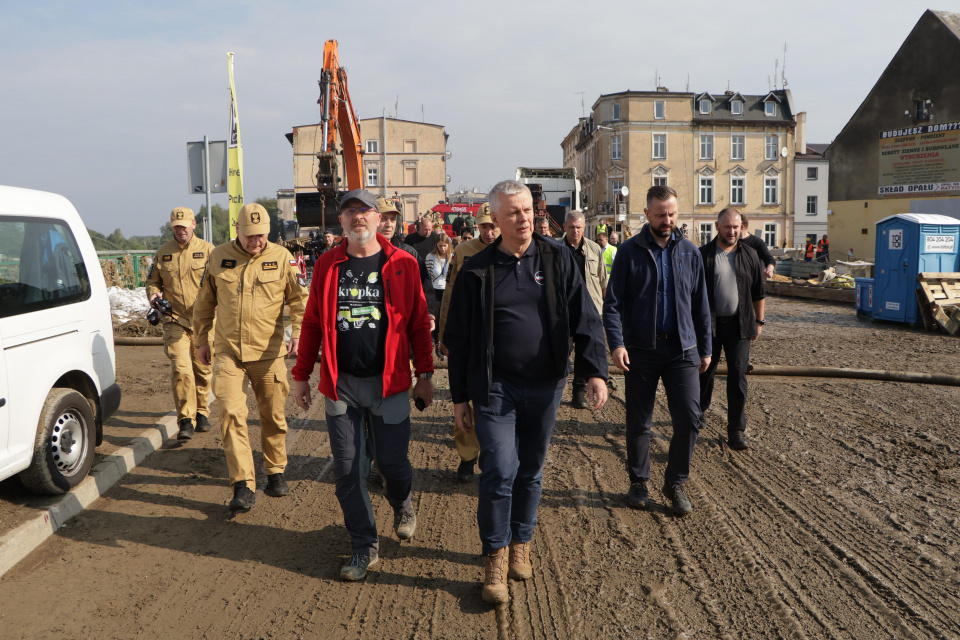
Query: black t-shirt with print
column 361, row 316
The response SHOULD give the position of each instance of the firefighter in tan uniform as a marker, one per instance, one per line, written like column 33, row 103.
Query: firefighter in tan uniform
column 487, row 232
column 247, row 283
column 175, row 276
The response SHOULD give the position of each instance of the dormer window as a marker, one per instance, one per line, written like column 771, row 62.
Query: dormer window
column 770, row 108
column 706, row 106
column 736, row 107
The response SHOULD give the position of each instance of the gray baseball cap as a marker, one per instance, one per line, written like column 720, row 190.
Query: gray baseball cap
column 362, row 195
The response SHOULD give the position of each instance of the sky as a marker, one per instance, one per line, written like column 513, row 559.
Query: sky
column 101, row 97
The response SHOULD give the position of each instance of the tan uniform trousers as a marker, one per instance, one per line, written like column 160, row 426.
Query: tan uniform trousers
column 268, row 378
column 467, row 445
column 190, row 378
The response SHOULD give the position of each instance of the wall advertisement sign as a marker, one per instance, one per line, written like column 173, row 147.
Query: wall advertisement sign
column 917, row 161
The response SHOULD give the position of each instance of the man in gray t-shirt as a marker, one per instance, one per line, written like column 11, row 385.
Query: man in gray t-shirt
column 734, row 277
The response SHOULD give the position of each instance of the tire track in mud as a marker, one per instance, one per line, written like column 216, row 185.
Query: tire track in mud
column 856, row 536
column 837, row 538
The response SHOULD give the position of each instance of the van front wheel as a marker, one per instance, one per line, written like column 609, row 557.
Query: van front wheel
column 64, row 449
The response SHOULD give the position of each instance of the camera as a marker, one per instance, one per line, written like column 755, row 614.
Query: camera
column 161, row 308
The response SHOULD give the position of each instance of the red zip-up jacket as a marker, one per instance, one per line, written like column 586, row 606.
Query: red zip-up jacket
column 407, row 321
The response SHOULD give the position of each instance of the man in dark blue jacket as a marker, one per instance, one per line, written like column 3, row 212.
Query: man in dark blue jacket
column 657, row 320
column 514, row 310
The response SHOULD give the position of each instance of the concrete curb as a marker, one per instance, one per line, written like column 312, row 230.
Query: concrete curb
column 15, row 546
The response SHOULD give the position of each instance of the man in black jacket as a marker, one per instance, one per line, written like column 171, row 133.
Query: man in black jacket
column 735, row 291
column 514, row 310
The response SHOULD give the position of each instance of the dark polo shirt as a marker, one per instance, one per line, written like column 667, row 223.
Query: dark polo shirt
column 521, row 347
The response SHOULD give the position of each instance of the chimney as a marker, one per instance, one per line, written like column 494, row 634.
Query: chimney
column 663, row 90
column 801, row 135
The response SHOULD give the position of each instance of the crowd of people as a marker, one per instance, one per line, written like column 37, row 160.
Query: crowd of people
column 513, row 310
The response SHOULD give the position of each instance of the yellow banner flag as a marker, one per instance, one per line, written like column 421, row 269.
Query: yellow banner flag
column 234, row 158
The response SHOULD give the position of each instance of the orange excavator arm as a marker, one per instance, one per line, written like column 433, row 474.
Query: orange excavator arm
column 336, row 107
column 336, row 115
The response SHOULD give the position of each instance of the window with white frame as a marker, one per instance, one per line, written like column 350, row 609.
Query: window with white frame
column 770, row 234
column 736, row 107
column 706, row 189
column 659, row 181
column 373, row 146
column 706, row 146
column 737, row 190
column 771, row 190
column 812, row 173
column 659, row 146
column 659, row 109
column 373, row 176
column 705, row 232
column 771, row 143
column 615, row 150
column 705, row 106
column 770, row 108
column 737, row 147
column 811, row 205
column 616, row 111
column 615, row 186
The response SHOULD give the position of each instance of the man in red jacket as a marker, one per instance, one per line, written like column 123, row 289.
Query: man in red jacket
column 367, row 311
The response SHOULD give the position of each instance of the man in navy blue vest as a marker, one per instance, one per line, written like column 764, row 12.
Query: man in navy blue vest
column 657, row 319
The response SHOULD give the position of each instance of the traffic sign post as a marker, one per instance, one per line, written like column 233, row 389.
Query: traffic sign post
column 201, row 156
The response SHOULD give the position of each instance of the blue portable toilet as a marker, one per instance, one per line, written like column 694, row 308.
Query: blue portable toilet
column 908, row 244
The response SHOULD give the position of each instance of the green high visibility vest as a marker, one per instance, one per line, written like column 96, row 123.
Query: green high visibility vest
column 601, row 228
column 609, row 253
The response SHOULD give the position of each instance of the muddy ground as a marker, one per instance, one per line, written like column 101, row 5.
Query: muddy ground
column 841, row 521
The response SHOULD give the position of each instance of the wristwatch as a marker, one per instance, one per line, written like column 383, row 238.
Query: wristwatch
column 426, row 375
column 761, row 322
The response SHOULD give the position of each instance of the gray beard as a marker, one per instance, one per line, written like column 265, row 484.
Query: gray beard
column 360, row 238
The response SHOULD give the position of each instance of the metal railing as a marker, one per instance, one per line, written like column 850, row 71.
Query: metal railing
column 127, row 269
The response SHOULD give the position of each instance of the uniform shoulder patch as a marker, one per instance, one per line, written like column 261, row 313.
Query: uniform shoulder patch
column 198, row 254
column 269, row 266
column 228, row 264
column 293, row 263
column 167, row 258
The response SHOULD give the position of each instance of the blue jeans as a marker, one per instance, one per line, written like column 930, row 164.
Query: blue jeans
column 361, row 424
column 514, row 432
column 678, row 369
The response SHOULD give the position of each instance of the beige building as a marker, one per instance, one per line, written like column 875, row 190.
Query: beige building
column 403, row 158
column 716, row 151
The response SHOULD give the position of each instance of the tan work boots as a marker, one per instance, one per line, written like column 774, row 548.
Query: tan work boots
column 513, row 561
column 520, row 567
column 495, row 577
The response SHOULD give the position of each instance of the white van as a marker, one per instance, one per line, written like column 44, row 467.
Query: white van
column 57, row 366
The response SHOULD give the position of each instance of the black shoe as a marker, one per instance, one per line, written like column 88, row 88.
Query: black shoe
column 638, row 497
column 276, row 486
column 465, row 471
column 679, row 502
column 580, row 399
column 186, row 429
column 356, row 569
column 405, row 523
column 203, row 425
column 243, row 498
column 737, row 441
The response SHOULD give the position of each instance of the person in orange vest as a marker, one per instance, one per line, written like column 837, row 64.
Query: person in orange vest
column 811, row 248
column 823, row 249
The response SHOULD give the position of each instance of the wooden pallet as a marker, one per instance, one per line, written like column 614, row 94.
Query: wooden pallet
column 940, row 300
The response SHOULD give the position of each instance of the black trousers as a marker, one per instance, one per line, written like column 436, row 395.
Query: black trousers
column 738, row 356
column 678, row 370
